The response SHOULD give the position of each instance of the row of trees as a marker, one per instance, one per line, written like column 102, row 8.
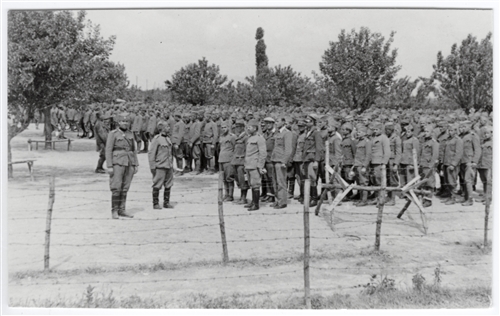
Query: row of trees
column 357, row 71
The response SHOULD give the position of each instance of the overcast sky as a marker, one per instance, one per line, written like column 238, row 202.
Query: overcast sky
column 153, row 44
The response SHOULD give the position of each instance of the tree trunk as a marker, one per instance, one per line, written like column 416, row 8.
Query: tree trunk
column 47, row 127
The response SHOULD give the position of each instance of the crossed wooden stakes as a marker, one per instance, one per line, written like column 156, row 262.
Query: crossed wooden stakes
column 410, row 190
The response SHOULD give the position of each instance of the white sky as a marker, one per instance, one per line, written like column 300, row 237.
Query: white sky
column 153, row 44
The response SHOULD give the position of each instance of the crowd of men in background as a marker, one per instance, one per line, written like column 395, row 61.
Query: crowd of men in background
column 269, row 150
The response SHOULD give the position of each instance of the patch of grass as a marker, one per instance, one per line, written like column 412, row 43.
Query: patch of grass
column 425, row 298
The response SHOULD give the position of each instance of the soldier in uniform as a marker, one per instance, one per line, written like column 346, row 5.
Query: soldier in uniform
column 297, row 159
column 452, row 155
column 255, row 159
column 311, row 156
column 102, row 128
column 410, row 143
column 238, row 160
column 470, row 158
column 143, row 132
column 290, row 173
column 136, row 129
column 186, row 150
column 280, row 157
column 349, row 146
column 195, row 141
column 429, row 158
column 442, row 138
column 394, row 161
column 362, row 161
column 485, row 163
column 380, row 154
column 209, row 135
column 160, row 158
column 227, row 143
column 122, row 163
column 178, row 141
column 335, row 149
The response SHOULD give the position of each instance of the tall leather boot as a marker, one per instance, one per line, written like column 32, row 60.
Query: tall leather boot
column 123, row 203
column 243, row 198
column 314, row 196
column 99, row 168
column 391, row 199
column 139, row 144
column 230, row 192
column 145, row 150
column 301, row 196
column 166, row 198
column 115, row 204
column 156, row 199
column 364, row 199
column 197, row 166
column 255, row 199
column 291, row 188
column 226, row 191
column 468, row 195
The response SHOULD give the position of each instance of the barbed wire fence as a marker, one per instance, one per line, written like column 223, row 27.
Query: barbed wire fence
column 363, row 219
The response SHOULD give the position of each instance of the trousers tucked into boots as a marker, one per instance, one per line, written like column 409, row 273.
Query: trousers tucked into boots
column 166, row 199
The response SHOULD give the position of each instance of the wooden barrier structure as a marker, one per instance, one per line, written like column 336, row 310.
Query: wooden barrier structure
column 52, row 143
column 27, row 161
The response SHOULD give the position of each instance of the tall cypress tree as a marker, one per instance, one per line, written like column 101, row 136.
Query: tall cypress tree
column 260, row 51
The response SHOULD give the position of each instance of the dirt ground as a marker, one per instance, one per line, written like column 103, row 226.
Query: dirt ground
column 265, row 247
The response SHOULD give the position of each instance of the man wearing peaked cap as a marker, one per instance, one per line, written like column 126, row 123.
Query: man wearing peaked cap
column 470, row 158
column 101, row 128
column 311, row 156
column 122, row 163
column 255, row 159
column 178, row 141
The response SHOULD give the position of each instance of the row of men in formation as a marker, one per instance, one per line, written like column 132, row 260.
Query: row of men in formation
column 281, row 151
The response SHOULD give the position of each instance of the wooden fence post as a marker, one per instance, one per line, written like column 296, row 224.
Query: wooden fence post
column 327, row 174
column 48, row 223
column 307, row 286
column 225, row 255
column 381, row 202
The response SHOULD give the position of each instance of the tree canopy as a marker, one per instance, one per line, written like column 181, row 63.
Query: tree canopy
column 466, row 75
column 197, row 83
column 360, row 65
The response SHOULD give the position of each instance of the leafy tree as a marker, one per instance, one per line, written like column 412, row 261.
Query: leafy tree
column 360, row 66
column 261, row 59
column 55, row 57
column 466, row 75
column 196, row 83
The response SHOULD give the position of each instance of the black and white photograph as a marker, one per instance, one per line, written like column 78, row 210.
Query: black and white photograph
column 195, row 158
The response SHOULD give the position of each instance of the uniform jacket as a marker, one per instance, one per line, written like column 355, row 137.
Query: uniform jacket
column 121, row 149
column 178, row 132
column 86, row 116
column 362, row 157
column 227, row 144
column 269, row 137
column 282, row 151
column 101, row 134
column 442, row 139
column 160, row 153
column 54, row 119
column 349, row 146
column 137, row 123
column 255, row 155
column 240, row 146
column 324, row 137
column 187, row 129
column 70, row 114
column 408, row 146
column 472, row 148
column 453, row 151
column 335, row 148
column 429, row 153
column 295, row 136
column 195, row 133
column 395, row 144
column 151, row 128
column 210, row 133
column 299, row 148
column 486, row 159
column 93, row 117
column 381, row 149
column 313, row 146
column 144, row 126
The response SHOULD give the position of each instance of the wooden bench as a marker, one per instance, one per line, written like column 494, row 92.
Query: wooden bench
column 30, row 166
column 52, row 143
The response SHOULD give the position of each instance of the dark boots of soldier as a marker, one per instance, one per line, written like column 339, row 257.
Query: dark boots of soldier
column 291, row 188
column 197, row 166
column 156, row 199
column 391, row 199
column 230, row 192
column 166, row 199
column 123, row 203
column 243, row 198
column 145, row 149
column 139, row 144
column 314, row 196
column 115, row 204
column 99, row 168
column 226, row 191
column 251, row 201
column 255, row 198
column 364, row 198
column 263, row 195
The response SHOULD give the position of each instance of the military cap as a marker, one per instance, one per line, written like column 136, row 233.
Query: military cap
column 488, row 128
column 312, row 116
column 347, row 126
column 376, row 124
column 253, row 122
column 178, row 114
column 390, row 124
column 123, row 117
column 225, row 124
column 405, row 121
column 361, row 128
column 333, row 123
column 105, row 117
column 466, row 123
column 348, row 118
column 240, row 122
column 301, row 123
column 162, row 123
column 269, row 120
column 442, row 123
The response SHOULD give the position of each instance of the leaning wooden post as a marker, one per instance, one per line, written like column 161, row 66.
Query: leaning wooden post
column 48, row 223
column 225, row 256
column 487, row 207
column 415, row 161
column 381, row 202
column 307, row 286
